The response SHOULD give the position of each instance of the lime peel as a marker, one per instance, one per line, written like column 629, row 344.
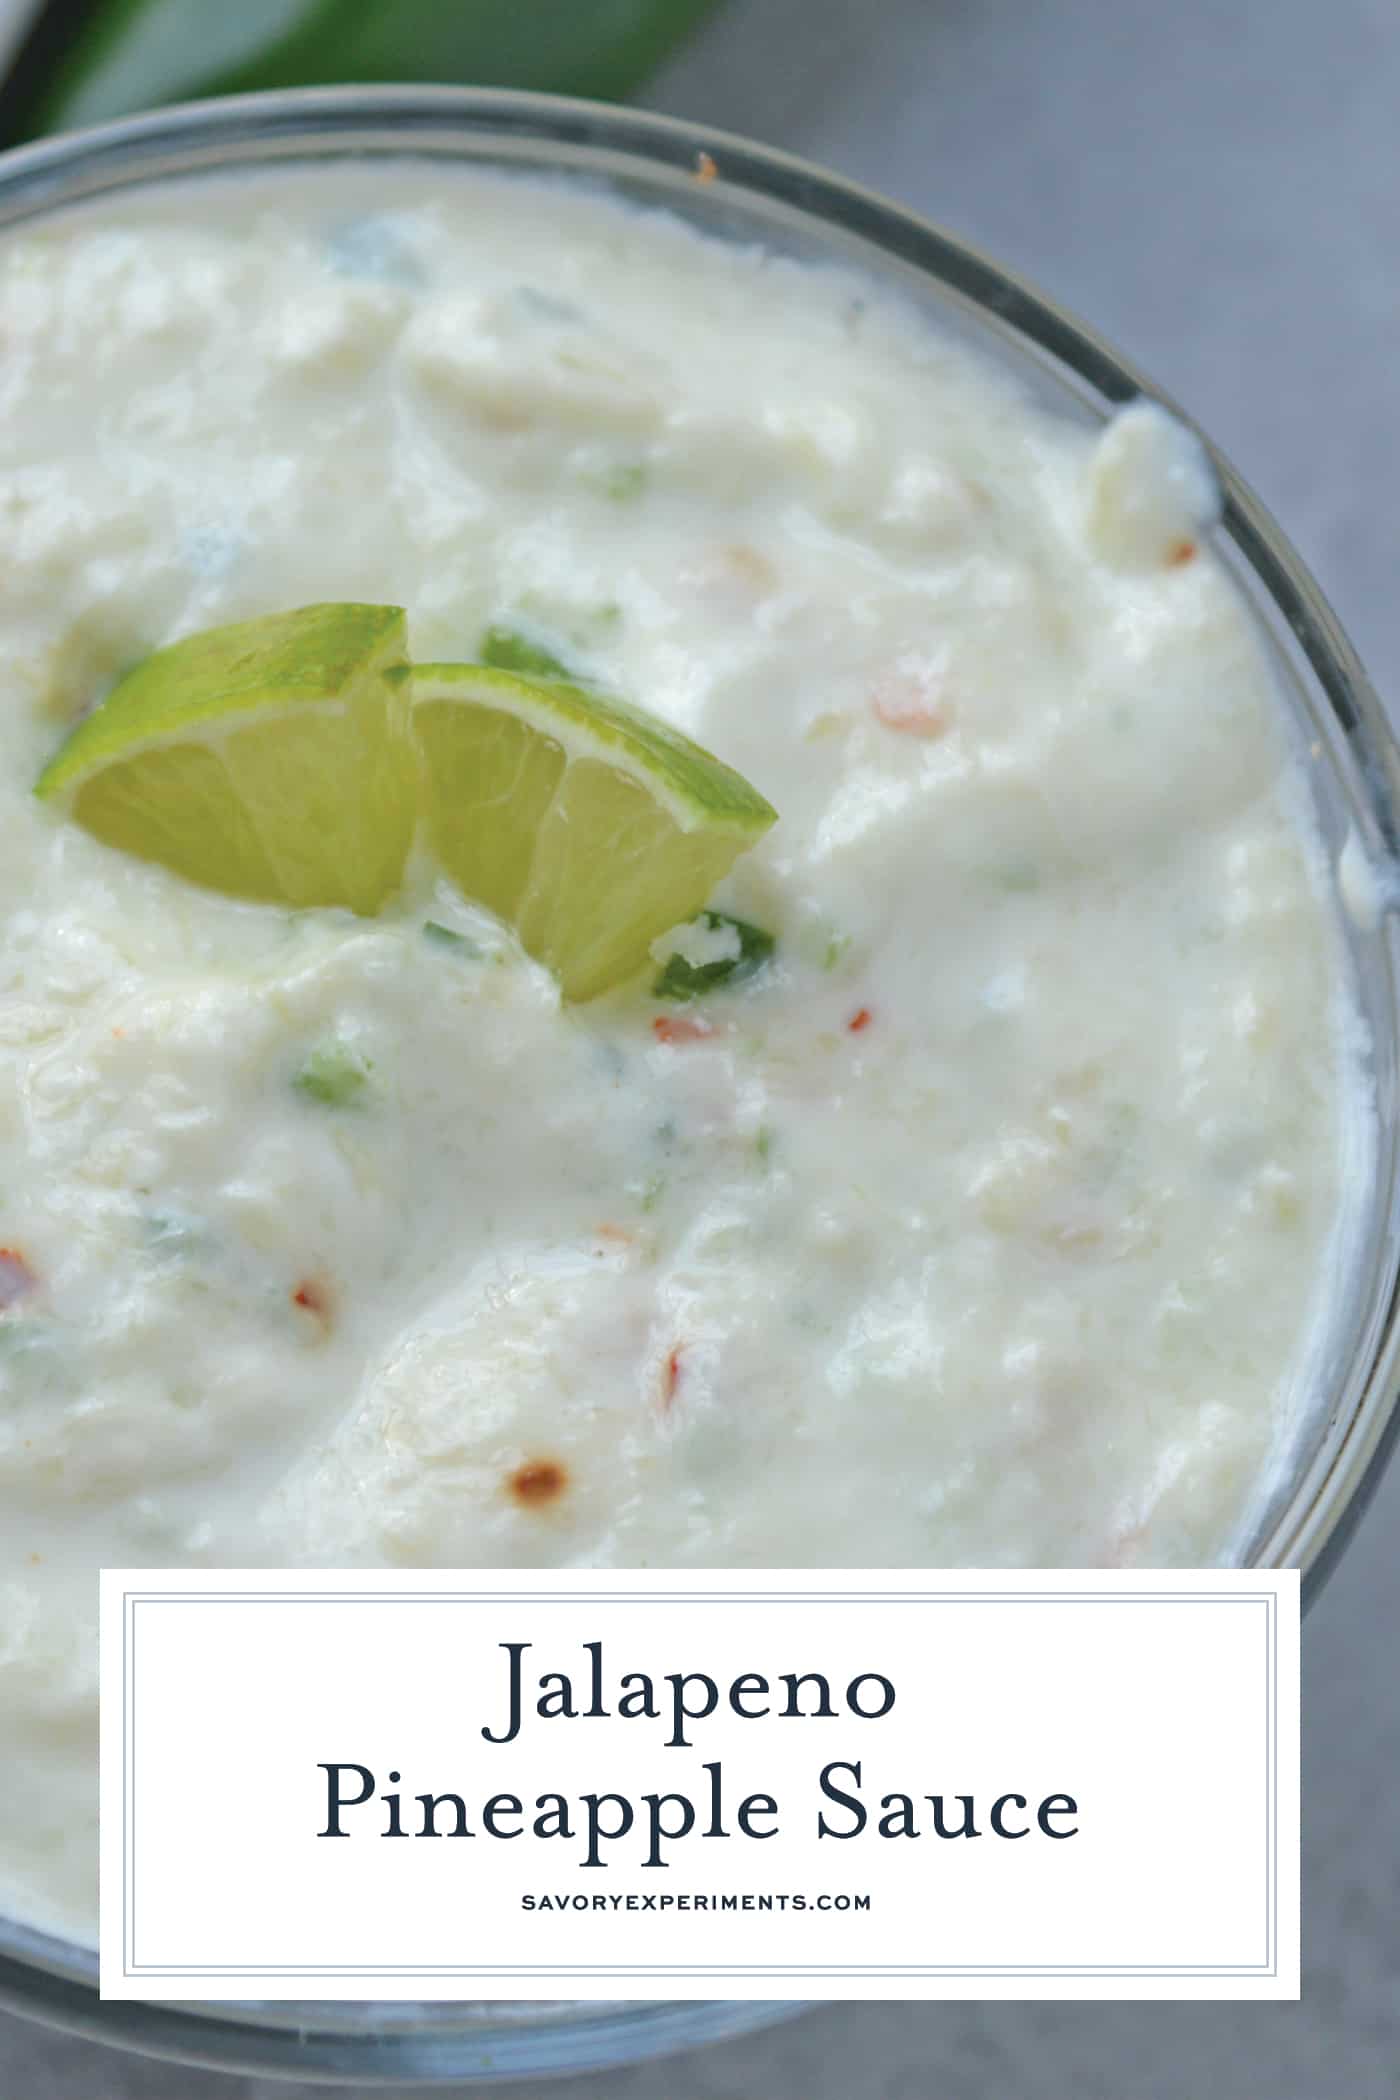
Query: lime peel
column 269, row 759
column 588, row 825
column 696, row 789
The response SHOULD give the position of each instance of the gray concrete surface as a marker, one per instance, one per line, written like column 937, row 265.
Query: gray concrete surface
column 1216, row 183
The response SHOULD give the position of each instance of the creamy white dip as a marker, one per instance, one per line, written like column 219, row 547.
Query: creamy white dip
column 985, row 1226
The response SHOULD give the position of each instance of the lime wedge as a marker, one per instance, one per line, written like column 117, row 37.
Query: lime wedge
column 268, row 760
column 587, row 825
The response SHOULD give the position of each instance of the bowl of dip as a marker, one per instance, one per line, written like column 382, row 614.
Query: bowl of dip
column 1034, row 1203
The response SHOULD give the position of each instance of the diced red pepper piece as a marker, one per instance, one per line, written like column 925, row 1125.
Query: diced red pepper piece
column 678, row 1028
column 17, row 1279
column 538, row 1482
column 912, row 706
column 314, row 1296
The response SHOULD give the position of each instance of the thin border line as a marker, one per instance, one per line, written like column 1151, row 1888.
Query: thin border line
column 136, row 1971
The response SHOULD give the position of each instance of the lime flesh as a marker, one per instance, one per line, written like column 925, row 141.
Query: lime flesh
column 584, row 823
column 269, row 760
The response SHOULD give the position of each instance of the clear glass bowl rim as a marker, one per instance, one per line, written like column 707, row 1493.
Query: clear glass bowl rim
column 55, row 1981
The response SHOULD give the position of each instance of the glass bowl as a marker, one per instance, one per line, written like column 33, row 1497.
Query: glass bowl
column 753, row 195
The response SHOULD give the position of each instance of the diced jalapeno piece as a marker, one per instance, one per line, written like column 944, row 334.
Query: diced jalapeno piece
column 507, row 649
column 335, row 1074
column 686, row 980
